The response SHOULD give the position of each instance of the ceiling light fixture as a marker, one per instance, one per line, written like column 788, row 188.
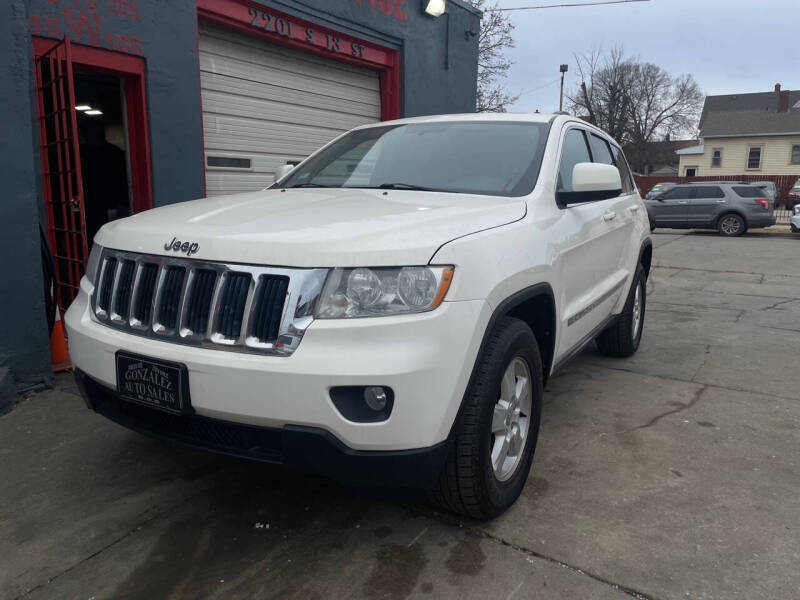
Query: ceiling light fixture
column 83, row 107
column 94, row 112
column 435, row 8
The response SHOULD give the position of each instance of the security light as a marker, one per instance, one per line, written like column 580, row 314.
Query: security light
column 435, row 8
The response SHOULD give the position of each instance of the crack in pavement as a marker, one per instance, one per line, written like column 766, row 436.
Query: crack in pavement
column 695, row 399
column 777, row 303
column 479, row 532
column 710, row 385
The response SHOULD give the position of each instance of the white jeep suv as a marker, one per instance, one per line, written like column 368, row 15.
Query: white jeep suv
column 387, row 313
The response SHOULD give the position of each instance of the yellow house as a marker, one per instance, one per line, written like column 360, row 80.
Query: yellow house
column 746, row 134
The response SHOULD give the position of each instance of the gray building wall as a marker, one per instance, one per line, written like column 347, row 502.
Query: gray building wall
column 438, row 75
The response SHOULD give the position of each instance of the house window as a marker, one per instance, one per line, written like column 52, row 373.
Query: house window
column 795, row 154
column 716, row 157
column 754, row 158
column 690, row 171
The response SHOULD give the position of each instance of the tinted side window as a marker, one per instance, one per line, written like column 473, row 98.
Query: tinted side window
column 708, row 191
column 677, row 193
column 573, row 152
column 748, row 192
column 601, row 153
column 624, row 171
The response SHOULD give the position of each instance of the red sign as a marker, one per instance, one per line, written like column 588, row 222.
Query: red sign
column 387, row 7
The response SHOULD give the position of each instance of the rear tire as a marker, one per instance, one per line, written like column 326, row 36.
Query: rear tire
column 621, row 339
column 731, row 225
column 478, row 479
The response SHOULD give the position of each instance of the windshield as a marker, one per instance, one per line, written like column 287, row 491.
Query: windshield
column 470, row 157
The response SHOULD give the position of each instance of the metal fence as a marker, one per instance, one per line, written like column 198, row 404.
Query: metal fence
column 782, row 215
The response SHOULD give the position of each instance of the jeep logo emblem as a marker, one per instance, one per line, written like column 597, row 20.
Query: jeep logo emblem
column 188, row 248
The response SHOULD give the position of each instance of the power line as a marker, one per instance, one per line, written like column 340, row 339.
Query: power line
column 600, row 2
column 536, row 89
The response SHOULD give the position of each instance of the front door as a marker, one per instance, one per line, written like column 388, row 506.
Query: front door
column 671, row 208
column 588, row 262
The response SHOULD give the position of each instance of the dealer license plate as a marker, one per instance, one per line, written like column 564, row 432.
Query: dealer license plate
column 156, row 383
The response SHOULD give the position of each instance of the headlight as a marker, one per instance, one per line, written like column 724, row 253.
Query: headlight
column 797, row 209
column 381, row 291
column 93, row 262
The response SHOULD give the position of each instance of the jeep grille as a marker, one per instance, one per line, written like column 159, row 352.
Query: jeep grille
column 217, row 305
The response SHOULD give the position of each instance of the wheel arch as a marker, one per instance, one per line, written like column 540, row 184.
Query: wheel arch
column 536, row 306
column 646, row 256
column 535, row 302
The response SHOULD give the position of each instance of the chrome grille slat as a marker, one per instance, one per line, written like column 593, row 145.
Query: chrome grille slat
column 121, row 299
column 169, row 297
column 143, row 309
column 234, row 307
column 269, row 307
column 201, row 293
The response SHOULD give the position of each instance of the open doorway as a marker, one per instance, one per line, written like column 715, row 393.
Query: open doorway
column 103, row 149
column 95, row 161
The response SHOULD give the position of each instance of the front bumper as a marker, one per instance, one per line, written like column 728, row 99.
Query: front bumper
column 426, row 359
column 307, row 449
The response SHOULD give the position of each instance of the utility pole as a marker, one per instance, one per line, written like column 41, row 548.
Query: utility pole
column 563, row 70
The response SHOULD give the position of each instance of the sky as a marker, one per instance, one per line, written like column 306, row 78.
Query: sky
column 729, row 46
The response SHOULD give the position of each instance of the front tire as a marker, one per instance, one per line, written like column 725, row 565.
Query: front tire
column 621, row 339
column 496, row 434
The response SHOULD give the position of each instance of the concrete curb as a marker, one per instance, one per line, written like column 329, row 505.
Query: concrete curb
column 8, row 391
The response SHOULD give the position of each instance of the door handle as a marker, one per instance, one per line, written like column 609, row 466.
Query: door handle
column 609, row 216
column 721, row 201
column 634, row 209
column 683, row 202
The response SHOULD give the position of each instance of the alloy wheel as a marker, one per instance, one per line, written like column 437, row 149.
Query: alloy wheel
column 511, row 419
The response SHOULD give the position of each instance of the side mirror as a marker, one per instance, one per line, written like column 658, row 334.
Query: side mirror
column 591, row 182
column 283, row 171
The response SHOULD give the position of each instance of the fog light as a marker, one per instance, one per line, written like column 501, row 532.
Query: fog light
column 363, row 404
column 375, row 397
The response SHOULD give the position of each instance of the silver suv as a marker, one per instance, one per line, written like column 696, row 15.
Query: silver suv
column 729, row 207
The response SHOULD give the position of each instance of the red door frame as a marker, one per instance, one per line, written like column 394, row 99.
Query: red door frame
column 286, row 30
column 131, row 70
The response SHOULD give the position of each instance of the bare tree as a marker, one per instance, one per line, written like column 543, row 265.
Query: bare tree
column 493, row 64
column 636, row 102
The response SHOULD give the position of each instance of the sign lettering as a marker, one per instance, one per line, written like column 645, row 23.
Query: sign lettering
column 83, row 21
column 393, row 8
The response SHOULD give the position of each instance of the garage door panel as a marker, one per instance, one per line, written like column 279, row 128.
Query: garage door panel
column 230, row 47
column 282, row 74
column 222, row 106
column 227, row 86
column 241, row 134
column 267, row 104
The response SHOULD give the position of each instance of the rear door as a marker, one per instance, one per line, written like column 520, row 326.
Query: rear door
column 671, row 208
column 706, row 203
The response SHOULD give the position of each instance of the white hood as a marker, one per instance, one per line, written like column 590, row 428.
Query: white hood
column 323, row 227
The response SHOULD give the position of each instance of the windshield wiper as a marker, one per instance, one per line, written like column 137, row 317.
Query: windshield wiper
column 403, row 186
column 310, row 185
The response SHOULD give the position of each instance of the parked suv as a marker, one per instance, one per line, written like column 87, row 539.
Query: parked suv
column 729, row 207
column 387, row 313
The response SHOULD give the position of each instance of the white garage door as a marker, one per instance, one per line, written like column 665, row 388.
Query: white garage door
column 264, row 105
